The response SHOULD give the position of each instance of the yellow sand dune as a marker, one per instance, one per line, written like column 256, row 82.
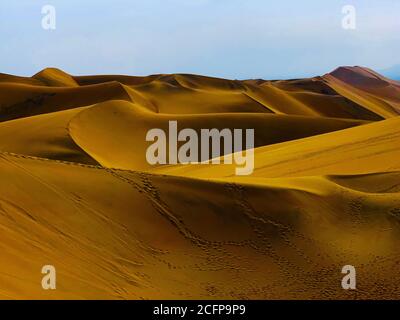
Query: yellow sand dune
column 295, row 97
column 76, row 191
column 4, row 78
column 53, row 77
column 114, row 133
column 365, row 149
column 119, row 234
column 44, row 136
column 21, row 100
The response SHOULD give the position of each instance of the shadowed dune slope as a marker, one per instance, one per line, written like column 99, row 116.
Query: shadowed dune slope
column 21, row 80
column 77, row 192
column 44, row 136
column 19, row 101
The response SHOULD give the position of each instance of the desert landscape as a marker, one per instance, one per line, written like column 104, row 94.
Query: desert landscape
column 78, row 193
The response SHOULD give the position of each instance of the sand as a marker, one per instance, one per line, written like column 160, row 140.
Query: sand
column 78, row 193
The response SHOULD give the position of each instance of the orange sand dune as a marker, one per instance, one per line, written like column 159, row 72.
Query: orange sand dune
column 78, row 193
column 368, row 89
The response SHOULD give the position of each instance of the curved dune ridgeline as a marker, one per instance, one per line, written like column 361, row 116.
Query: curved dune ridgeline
column 78, row 193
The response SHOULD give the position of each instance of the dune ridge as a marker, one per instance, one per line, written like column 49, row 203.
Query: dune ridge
column 78, row 193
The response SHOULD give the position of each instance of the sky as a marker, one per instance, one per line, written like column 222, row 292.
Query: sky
column 235, row 39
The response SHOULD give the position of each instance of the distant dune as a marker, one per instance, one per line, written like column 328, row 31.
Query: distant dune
column 78, row 193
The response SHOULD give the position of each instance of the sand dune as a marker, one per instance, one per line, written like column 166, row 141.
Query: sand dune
column 44, row 136
column 367, row 88
column 20, row 100
column 78, row 193
column 52, row 77
column 105, row 130
column 365, row 149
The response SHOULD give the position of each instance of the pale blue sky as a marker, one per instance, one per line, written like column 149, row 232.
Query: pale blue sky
column 225, row 38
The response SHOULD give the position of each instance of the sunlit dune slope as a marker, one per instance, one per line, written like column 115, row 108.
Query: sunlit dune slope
column 53, row 77
column 76, row 191
column 365, row 149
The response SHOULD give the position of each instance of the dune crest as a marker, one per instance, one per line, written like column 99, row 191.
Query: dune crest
column 53, row 77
